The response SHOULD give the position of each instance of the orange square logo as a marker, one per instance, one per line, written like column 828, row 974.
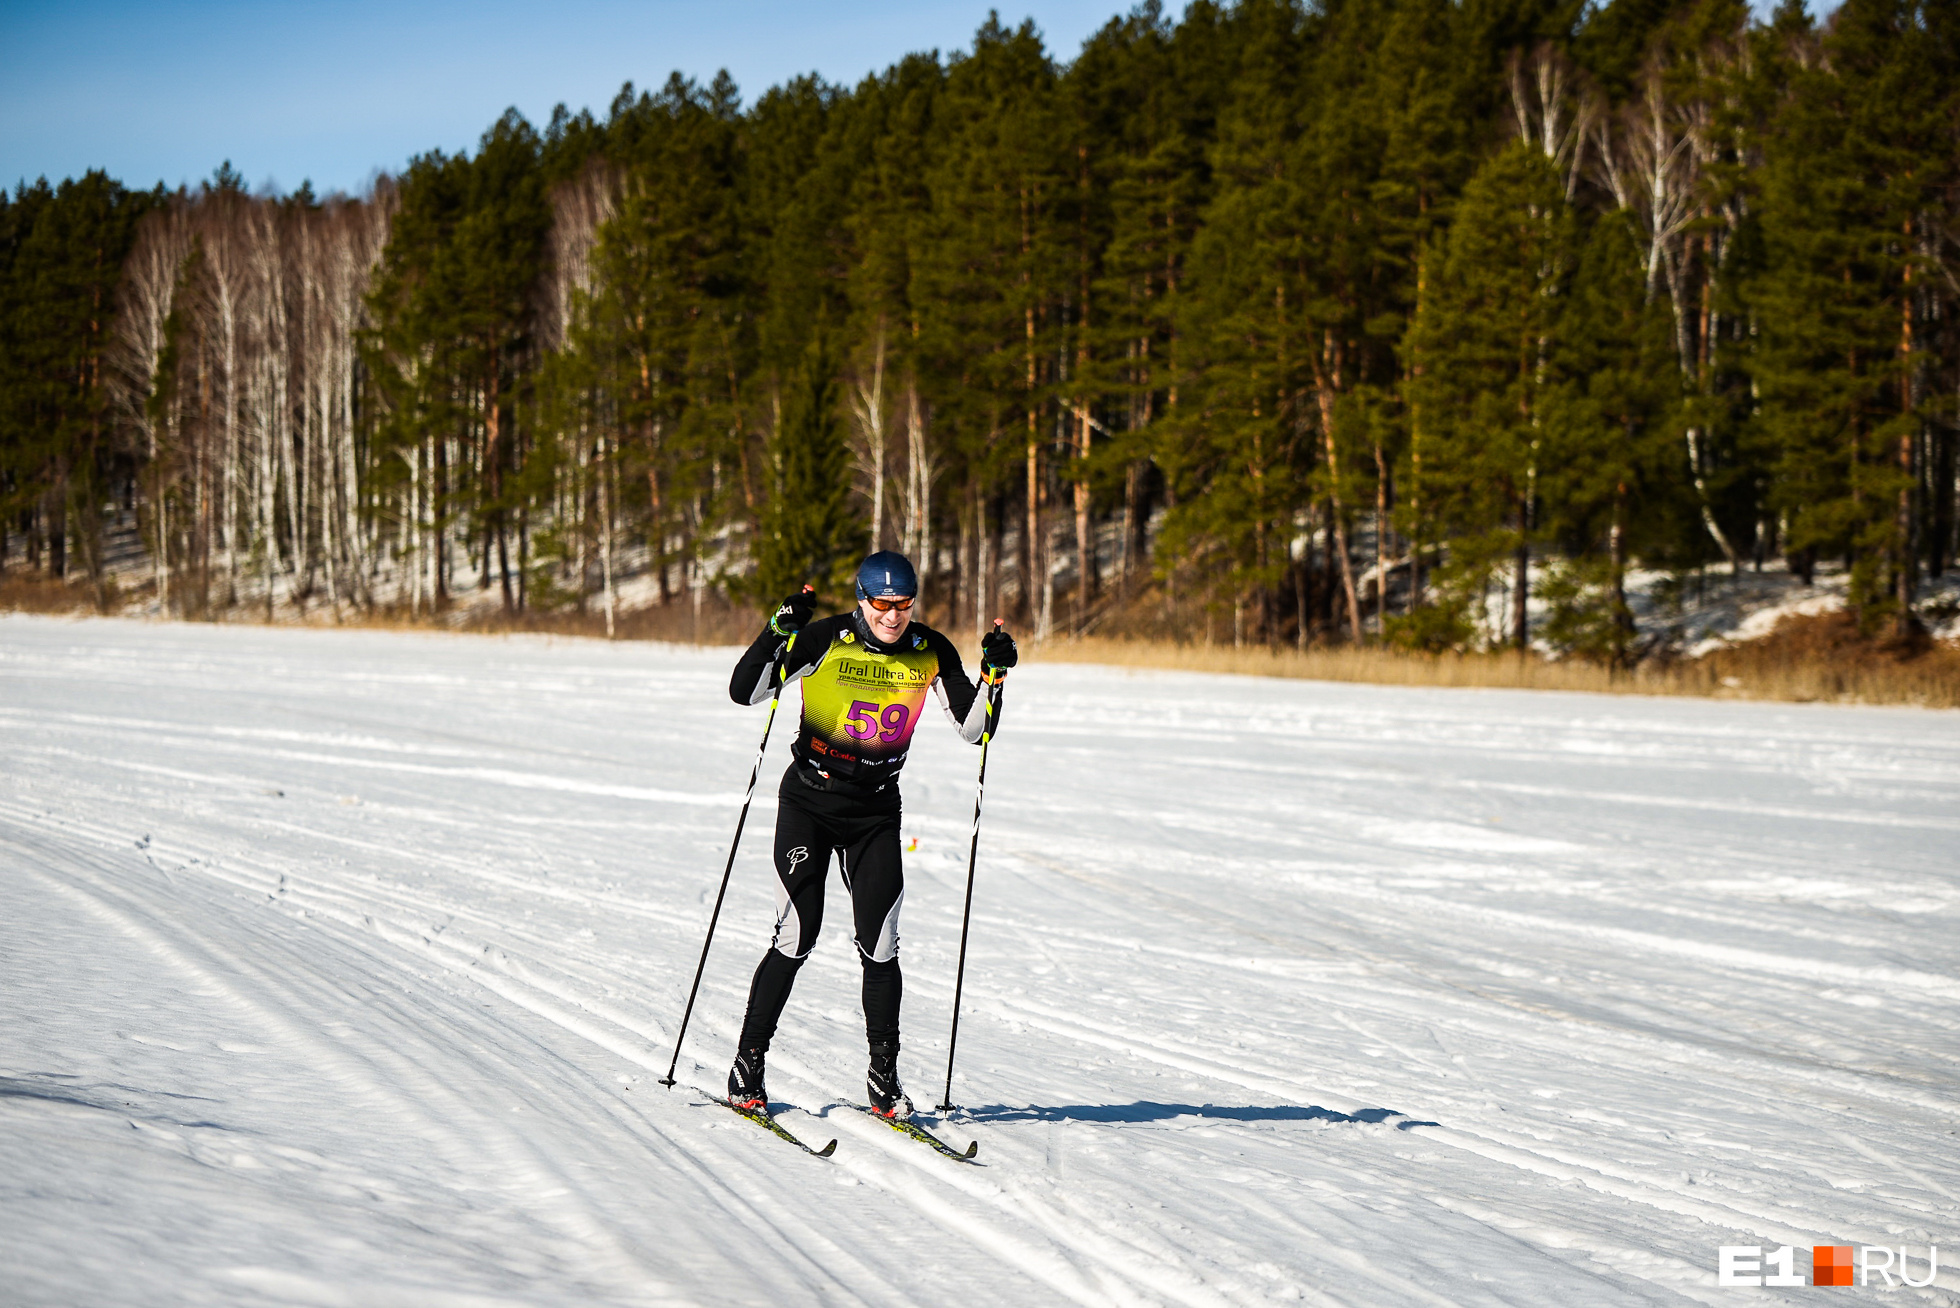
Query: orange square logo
column 1830, row 1264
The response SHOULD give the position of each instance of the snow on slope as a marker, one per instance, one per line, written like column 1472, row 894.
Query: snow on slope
column 338, row 968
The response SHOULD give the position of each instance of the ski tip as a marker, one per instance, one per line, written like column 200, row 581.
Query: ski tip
column 972, row 1148
column 829, row 1149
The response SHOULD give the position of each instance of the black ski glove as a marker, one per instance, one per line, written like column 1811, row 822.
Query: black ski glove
column 794, row 613
column 997, row 652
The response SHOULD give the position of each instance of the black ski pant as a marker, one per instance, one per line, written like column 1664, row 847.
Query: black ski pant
column 863, row 832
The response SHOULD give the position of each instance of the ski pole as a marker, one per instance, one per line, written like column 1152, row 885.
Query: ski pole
column 714, row 917
column 966, row 916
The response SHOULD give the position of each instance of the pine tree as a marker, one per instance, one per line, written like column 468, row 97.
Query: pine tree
column 1604, row 490
column 1860, row 151
column 1246, row 342
column 679, row 304
column 1486, row 333
column 415, row 352
column 991, row 274
column 499, row 246
column 1146, row 97
column 60, row 461
column 812, row 533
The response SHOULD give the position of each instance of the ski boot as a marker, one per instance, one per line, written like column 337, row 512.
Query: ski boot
column 745, row 1089
column 888, row 1097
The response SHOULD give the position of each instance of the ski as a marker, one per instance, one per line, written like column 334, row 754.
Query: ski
column 766, row 1120
column 922, row 1135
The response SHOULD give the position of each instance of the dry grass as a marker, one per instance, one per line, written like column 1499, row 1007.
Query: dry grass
column 1824, row 658
column 1804, row 660
column 26, row 593
column 718, row 622
column 1338, row 663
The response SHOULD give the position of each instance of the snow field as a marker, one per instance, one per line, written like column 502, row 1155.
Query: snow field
column 340, row 968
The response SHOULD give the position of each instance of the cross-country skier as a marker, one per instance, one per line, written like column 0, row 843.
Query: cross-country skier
column 866, row 674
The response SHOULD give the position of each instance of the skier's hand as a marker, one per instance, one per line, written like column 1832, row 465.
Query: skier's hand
column 997, row 651
column 794, row 613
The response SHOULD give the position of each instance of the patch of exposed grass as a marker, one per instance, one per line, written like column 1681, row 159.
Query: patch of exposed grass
column 718, row 622
column 1805, row 659
column 28, row 593
column 1824, row 657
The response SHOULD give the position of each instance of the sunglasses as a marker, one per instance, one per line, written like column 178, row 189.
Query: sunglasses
column 887, row 605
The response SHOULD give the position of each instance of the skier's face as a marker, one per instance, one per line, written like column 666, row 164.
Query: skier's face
column 887, row 624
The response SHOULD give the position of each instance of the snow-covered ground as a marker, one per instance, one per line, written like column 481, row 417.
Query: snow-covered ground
column 339, row 968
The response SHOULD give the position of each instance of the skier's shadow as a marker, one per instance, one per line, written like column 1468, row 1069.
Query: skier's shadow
column 1146, row 1111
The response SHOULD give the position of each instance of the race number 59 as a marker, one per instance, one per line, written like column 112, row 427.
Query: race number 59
column 865, row 721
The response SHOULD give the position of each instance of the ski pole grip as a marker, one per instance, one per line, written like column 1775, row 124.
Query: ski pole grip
column 1000, row 674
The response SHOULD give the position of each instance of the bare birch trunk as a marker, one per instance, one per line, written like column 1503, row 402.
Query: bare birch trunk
column 985, row 562
column 1327, row 381
column 918, row 474
column 607, row 497
column 868, row 406
column 1085, row 547
column 1031, row 522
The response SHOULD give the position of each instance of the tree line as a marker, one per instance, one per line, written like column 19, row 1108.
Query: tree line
column 1424, row 321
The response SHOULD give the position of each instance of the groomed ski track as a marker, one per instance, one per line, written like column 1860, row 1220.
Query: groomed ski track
column 339, row 968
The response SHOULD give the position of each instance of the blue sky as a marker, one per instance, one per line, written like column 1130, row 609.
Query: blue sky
column 330, row 92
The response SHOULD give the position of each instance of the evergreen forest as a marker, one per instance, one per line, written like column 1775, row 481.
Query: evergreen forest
column 1422, row 322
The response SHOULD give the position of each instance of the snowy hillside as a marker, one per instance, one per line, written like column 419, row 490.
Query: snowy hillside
column 339, row 968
